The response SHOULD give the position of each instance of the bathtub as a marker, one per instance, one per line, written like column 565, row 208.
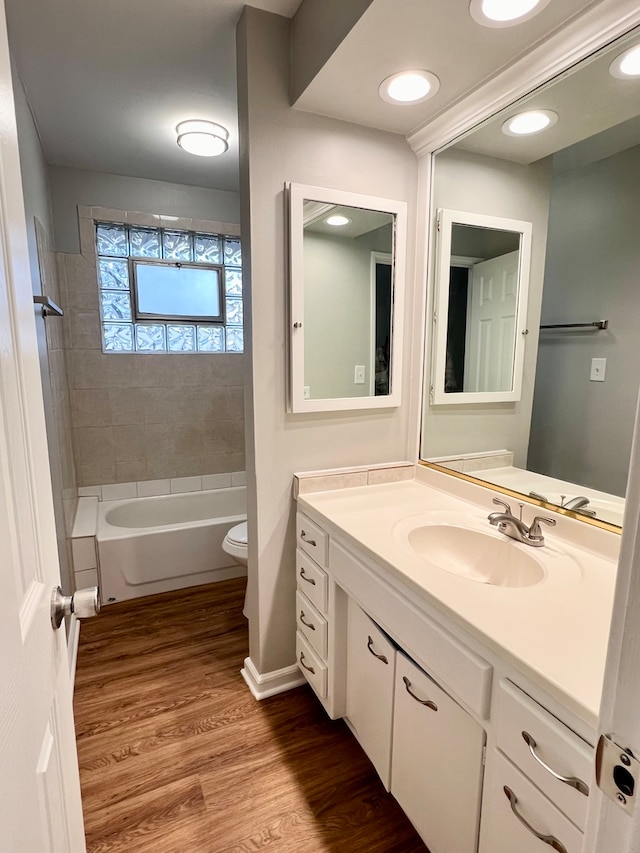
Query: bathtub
column 157, row 544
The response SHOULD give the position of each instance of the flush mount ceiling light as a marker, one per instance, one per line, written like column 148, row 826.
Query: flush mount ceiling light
column 204, row 138
column 409, row 87
column 504, row 13
column 337, row 219
column 627, row 64
column 526, row 124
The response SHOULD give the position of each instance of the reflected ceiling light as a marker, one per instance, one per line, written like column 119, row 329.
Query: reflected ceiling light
column 526, row 124
column 627, row 64
column 337, row 219
column 504, row 13
column 204, row 138
column 409, row 87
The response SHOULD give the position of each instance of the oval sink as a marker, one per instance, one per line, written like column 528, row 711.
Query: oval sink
column 484, row 557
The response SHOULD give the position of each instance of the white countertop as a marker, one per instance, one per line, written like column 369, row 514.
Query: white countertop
column 555, row 632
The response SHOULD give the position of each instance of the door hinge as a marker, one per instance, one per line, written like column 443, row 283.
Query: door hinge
column 431, row 393
column 617, row 772
column 484, row 755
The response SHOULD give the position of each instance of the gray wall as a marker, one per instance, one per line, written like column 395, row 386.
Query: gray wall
column 478, row 184
column 279, row 144
column 51, row 347
column 337, row 315
column 581, row 430
column 71, row 187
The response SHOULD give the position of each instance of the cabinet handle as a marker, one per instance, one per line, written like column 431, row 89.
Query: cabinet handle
column 305, row 578
column 311, row 542
column 306, row 624
column 573, row 781
column 308, row 668
column 426, row 702
column 551, row 840
column 383, row 658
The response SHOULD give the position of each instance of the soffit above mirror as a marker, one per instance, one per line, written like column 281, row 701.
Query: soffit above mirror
column 439, row 36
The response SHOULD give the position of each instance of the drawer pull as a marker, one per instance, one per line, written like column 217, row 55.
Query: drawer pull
column 305, row 578
column 383, row 658
column 312, row 542
column 551, row 840
column 306, row 624
column 308, row 668
column 574, row 782
column 426, row 702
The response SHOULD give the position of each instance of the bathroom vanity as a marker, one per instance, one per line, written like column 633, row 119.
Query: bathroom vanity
column 469, row 666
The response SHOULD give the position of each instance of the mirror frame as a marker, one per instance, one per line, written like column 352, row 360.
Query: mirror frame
column 296, row 195
column 445, row 221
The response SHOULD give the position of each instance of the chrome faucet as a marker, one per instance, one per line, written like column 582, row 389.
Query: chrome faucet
column 515, row 528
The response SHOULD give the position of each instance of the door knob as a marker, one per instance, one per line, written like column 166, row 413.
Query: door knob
column 84, row 603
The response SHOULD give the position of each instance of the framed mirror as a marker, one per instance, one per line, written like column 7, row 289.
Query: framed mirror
column 482, row 284
column 567, row 441
column 346, row 270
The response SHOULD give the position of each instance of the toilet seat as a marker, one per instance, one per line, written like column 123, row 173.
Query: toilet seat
column 238, row 534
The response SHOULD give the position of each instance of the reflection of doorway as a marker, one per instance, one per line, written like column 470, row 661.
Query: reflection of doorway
column 381, row 305
column 456, row 328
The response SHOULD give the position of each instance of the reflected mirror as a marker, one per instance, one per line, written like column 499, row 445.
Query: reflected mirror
column 346, row 291
column 482, row 280
column 567, row 440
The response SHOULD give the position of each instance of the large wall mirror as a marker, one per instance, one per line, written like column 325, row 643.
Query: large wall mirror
column 482, row 283
column 346, row 296
column 568, row 439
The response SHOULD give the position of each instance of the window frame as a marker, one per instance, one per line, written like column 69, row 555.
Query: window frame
column 142, row 317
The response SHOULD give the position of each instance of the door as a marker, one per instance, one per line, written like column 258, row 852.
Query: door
column 40, row 808
column 493, row 304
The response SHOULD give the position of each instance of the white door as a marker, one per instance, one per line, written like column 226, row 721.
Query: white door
column 491, row 324
column 40, row 807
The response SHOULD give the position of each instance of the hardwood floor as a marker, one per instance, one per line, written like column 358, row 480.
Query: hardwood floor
column 176, row 755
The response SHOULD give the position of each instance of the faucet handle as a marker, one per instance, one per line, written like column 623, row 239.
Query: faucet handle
column 504, row 505
column 535, row 531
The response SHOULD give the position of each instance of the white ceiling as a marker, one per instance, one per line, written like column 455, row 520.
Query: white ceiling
column 108, row 80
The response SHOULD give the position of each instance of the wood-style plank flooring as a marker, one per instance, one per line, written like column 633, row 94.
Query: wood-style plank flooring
column 176, row 756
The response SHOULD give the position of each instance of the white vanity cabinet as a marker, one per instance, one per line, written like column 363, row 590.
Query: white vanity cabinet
column 437, row 762
column 371, row 664
column 477, row 764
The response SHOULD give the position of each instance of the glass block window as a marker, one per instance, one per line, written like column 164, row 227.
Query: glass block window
column 166, row 290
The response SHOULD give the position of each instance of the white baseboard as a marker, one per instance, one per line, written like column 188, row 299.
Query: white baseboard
column 267, row 684
column 73, row 640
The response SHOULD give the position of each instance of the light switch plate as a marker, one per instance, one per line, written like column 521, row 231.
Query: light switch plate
column 359, row 375
column 307, row 392
column 598, row 369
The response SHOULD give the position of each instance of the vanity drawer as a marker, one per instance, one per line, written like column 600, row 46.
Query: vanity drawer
column 557, row 747
column 312, row 581
column 510, row 823
column 313, row 669
column 311, row 624
column 312, row 539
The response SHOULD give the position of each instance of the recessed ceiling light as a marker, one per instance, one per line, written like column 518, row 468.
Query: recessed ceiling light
column 204, row 138
column 505, row 13
column 530, row 122
column 337, row 219
column 627, row 64
column 409, row 87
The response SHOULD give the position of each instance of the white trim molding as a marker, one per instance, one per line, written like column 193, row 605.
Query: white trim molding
column 593, row 30
column 263, row 685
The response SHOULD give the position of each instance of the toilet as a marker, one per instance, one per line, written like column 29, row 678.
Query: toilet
column 235, row 543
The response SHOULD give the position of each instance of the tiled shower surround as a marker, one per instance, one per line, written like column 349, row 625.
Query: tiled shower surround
column 137, row 416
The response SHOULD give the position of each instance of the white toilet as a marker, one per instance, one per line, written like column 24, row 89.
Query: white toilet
column 235, row 543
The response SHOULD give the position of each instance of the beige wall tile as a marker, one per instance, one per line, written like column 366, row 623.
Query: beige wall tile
column 87, row 231
column 189, row 439
column 125, row 472
column 88, row 369
column 84, row 330
column 129, row 443
column 224, row 403
column 90, row 407
column 95, row 475
column 95, row 445
column 224, row 437
column 128, row 405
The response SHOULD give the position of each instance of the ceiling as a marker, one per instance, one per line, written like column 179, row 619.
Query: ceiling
column 108, row 81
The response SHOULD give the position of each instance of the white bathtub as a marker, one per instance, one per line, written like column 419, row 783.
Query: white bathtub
column 157, row 544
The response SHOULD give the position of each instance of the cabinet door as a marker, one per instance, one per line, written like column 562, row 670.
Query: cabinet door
column 516, row 816
column 436, row 772
column 370, row 678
